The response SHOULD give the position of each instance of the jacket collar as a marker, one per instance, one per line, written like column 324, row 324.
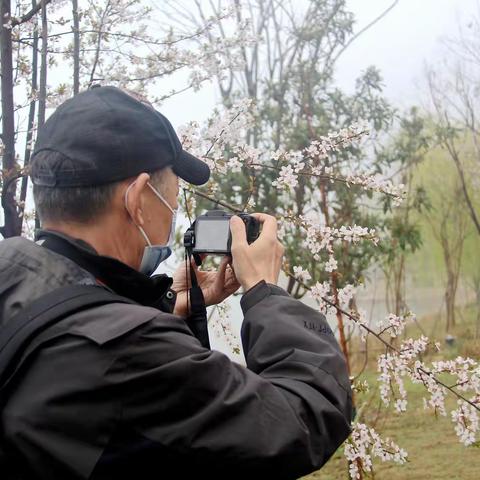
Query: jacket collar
column 119, row 277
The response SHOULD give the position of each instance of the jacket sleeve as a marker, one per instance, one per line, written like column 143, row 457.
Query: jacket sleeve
column 284, row 415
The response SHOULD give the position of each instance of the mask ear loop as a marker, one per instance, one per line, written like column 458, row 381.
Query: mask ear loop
column 159, row 195
column 174, row 211
column 142, row 231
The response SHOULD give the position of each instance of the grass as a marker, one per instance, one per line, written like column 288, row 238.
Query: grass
column 434, row 451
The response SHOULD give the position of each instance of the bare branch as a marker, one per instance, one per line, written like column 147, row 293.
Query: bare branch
column 367, row 27
column 28, row 16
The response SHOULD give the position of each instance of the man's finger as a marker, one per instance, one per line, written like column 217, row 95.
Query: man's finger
column 269, row 228
column 239, row 234
column 222, row 270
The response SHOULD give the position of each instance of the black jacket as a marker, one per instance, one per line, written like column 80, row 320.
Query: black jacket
column 126, row 391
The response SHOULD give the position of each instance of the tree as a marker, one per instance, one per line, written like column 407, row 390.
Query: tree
column 449, row 226
column 289, row 76
column 448, row 221
column 9, row 173
column 401, row 229
column 453, row 91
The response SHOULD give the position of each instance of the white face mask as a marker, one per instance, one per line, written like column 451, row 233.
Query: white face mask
column 154, row 255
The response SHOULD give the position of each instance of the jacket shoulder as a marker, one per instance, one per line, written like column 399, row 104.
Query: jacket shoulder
column 108, row 322
column 28, row 271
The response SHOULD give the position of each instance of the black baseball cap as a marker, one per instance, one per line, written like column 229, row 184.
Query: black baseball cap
column 104, row 135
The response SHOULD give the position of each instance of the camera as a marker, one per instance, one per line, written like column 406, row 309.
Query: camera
column 210, row 233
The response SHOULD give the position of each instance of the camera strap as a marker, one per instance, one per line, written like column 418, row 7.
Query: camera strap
column 197, row 319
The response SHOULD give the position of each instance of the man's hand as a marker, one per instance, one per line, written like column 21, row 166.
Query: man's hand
column 260, row 260
column 216, row 285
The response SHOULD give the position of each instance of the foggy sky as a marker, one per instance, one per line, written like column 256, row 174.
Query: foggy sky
column 399, row 45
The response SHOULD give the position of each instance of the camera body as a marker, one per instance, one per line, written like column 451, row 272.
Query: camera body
column 210, row 233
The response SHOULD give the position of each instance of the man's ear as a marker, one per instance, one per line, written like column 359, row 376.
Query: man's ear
column 134, row 198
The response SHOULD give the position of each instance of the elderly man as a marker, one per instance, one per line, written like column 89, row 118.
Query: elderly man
column 123, row 389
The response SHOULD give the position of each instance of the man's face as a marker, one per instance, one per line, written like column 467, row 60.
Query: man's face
column 157, row 215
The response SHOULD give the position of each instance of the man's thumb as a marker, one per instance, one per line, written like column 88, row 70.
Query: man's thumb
column 239, row 233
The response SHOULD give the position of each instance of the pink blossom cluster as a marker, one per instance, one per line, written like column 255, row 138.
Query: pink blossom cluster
column 301, row 274
column 309, row 163
column 331, row 265
column 319, row 291
column 395, row 324
column 345, row 294
column 287, row 178
column 226, row 129
column 364, row 444
column 335, row 141
column 321, row 237
column 465, row 376
column 378, row 184
column 393, row 366
column 359, row 319
column 466, row 421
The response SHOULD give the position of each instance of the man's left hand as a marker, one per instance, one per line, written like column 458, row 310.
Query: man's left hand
column 216, row 285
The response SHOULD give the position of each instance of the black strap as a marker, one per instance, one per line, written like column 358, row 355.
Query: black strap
column 197, row 318
column 44, row 312
column 149, row 291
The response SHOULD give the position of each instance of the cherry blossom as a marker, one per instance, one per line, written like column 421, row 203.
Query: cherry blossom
column 364, row 444
column 301, row 274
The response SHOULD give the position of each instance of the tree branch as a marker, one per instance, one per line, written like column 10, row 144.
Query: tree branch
column 28, row 16
column 367, row 27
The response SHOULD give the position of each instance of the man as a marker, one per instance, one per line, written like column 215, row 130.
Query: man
column 126, row 390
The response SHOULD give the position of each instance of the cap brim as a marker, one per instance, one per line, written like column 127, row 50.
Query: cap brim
column 191, row 169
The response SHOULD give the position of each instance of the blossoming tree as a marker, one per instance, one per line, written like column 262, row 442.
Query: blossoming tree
column 402, row 361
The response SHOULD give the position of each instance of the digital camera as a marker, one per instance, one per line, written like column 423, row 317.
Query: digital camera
column 210, row 233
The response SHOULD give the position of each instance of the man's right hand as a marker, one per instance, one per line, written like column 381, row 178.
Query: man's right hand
column 260, row 260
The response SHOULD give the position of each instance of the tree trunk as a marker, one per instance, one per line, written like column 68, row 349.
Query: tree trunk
column 12, row 224
column 42, row 93
column 42, row 96
column 450, row 303
column 76, row 48
column 399, row 285
column 31, row 118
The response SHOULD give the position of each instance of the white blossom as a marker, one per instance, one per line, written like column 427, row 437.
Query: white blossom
column 394, row 324
column 466, row 421
column 345, row 294
column 320, row 290
column 331, row 265
column 301, row 274
column 364, row 444
column 287, row 178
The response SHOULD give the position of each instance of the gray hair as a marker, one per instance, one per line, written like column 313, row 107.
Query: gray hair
column 80, row 204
